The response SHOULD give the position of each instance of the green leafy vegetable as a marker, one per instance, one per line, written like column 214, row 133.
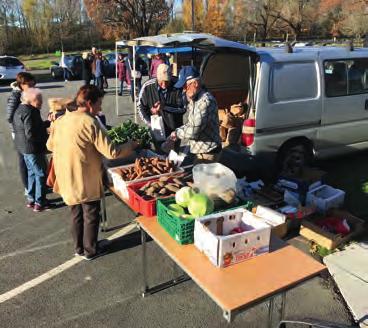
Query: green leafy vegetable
column 130, row 131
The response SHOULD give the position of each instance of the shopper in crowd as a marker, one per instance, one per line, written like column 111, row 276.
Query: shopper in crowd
column 30, row 140
column 156, row 61
column 121, row 70
column 64, row 66
column 93, row 64
column 140, row 68
column 24, row 81
column 202, row 127
column 86, row 68
column 99, row 72
column 78, row 144
column 159, row 97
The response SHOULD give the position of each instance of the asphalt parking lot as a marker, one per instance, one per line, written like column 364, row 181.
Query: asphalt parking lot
column 43, row 285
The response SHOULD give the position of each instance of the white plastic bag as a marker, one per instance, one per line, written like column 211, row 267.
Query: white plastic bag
column 214, row 179
column 158, row 128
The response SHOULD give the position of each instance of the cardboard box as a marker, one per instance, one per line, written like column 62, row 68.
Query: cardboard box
column 275, row 219
column 212, row 237
column 325, row 197
column 314, row 233
column 307, row 180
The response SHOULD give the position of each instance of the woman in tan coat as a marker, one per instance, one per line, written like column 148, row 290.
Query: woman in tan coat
column 78, row 144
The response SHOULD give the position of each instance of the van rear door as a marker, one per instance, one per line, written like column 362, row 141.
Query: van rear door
column 345, row 105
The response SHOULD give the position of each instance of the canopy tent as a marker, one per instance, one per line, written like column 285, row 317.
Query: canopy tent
column 175, row 43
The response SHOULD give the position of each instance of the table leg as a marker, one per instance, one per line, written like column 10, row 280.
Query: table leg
column 228, row 316
column 270, row 312
column 283, row 305
column 103, row 213
column 144, row 262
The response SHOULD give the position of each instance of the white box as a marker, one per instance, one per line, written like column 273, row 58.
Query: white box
column 325, row 197
column 211, row 236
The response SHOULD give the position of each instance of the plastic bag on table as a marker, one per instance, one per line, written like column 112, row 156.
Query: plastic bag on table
column 215, row 180
column 158, row 128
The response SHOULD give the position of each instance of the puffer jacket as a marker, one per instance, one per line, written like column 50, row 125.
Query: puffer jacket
column 13, row 103
column 30, row 130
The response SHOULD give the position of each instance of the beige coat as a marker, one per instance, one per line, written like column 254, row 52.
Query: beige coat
column 78, row 143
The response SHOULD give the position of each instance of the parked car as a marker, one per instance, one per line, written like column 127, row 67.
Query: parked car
column 10, row 67
column 74, row 64
column 311, row 102
column 109, row 64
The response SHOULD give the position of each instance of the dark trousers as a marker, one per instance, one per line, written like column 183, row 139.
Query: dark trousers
column 85, row 222
column 87, row 82
column 100, row 80
column 138, row 85
column 23, row 171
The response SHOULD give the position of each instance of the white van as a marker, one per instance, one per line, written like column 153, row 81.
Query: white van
column 312, row 102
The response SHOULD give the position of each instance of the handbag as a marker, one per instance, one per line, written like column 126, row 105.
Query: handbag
column 51, row 177
column 135, row 74
column 158, row 128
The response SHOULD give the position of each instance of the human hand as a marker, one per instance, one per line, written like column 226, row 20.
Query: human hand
column 51, row 116
column 156, row 108
column 173, row 136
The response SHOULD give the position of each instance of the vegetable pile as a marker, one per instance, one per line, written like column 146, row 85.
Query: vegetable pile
column 130, row 131
column 146, row 167
column 190, row 204
column 164, row 187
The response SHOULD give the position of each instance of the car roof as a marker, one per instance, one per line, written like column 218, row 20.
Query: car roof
column 279, row 53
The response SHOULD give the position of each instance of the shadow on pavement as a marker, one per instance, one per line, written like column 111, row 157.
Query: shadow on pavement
column 125, row 242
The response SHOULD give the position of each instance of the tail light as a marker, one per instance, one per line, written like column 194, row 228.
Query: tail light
column 248, row 132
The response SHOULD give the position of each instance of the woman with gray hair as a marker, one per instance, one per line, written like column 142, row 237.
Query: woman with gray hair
column 30, row 140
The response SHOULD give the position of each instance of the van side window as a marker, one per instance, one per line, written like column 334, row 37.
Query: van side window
column 346, row 77
column 293, row 81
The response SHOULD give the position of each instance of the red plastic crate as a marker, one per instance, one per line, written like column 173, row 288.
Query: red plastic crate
column 140, row 205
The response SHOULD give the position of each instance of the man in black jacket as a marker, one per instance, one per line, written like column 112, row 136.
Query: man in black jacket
column 30, row 140
column 23, row 82
column 159, row 97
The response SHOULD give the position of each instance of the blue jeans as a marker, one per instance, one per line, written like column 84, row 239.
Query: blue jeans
column 36, row 165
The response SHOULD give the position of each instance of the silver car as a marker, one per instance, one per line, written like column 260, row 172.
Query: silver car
column 10, row 67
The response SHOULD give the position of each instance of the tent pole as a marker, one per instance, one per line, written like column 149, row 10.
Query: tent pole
column 134, row 88
column 116, row 80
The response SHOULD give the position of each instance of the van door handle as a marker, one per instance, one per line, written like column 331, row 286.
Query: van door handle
column 366, row 104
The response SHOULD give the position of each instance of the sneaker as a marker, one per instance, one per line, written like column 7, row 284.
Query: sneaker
column 98, row 254
column 79, row 254
column 30, row 204
column 39, row 208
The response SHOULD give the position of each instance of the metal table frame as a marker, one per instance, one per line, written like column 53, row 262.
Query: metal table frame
column 228, row 315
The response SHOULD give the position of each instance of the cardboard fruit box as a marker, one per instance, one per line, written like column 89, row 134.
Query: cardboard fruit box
column 212, row 236
column 276, row 220
column 329, row 240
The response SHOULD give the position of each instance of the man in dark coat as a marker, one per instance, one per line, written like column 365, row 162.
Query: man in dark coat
column 159, row 97
column 30, row 140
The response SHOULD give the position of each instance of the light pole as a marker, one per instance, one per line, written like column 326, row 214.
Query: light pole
column 193, row 15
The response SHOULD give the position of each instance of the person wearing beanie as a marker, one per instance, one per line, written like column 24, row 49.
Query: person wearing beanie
column 159, row 96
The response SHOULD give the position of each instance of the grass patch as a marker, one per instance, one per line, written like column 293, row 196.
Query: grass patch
column 44, row 61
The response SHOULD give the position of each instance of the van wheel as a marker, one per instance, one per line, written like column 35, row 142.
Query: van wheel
column 294, row 157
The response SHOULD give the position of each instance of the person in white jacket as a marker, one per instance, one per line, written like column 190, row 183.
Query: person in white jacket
column 64, row 67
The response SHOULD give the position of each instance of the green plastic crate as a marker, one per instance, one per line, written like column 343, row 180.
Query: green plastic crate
column 179, row 229
column 182, row 230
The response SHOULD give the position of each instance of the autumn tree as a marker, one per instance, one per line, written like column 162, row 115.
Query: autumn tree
column 265, row 15
column 128, row 18
column 297, row 15
column 198, row 14
column 215, row 21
